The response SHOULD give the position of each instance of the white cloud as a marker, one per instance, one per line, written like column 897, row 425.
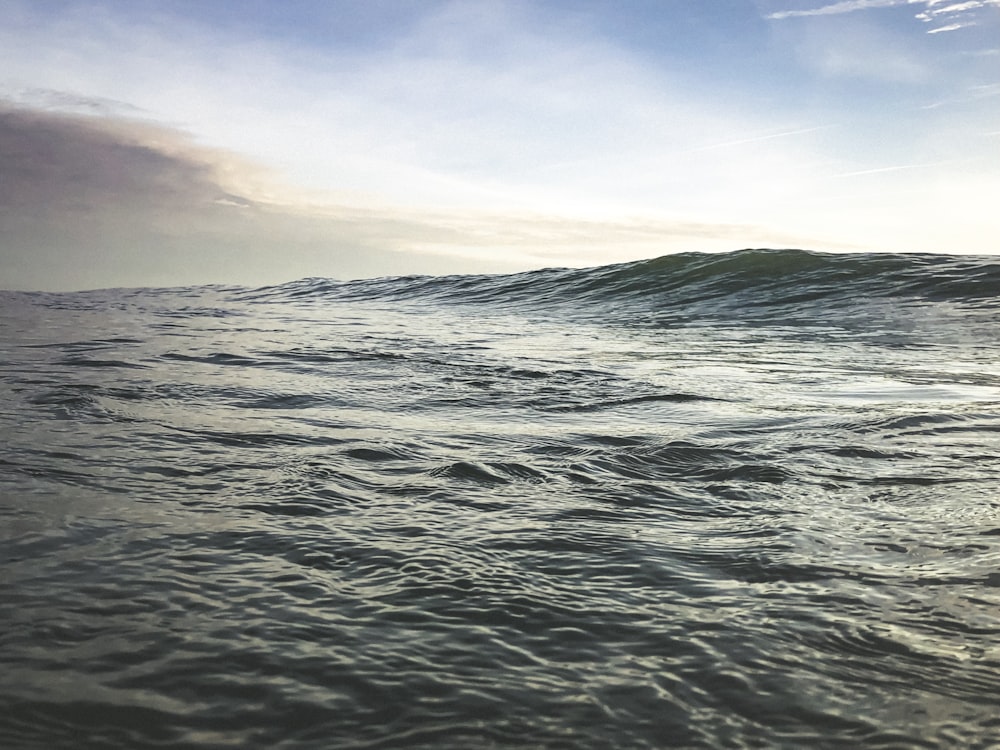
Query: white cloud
column 950, row 15
column 846, row 6
column 949, row 27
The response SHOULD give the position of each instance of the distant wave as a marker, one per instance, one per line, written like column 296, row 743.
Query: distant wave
column 751, row 282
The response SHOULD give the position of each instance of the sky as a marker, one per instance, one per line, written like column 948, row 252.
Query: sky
column 176, row 142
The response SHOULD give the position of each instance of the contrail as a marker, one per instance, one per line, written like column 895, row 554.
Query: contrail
column 897, row 168
column 754, row 139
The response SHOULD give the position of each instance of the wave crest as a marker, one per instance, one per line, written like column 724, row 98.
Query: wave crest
column 772, row 282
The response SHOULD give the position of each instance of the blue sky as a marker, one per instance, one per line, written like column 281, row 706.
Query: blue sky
column 176, row 142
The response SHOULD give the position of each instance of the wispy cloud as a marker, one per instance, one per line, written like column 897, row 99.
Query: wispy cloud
column 883, row 170
column 845, row 6
column 944, row 15
column 951, row 16
column 760, row 138
column 853, row 49
column 976, row 93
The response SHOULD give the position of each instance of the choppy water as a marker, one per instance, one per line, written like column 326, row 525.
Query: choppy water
column 743, row 501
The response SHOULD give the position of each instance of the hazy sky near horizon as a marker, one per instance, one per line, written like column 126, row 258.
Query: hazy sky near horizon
column 170, row 142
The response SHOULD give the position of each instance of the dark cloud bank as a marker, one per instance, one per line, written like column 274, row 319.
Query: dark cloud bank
column 91, row 202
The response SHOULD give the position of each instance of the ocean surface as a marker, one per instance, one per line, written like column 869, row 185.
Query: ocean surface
column 748, row 500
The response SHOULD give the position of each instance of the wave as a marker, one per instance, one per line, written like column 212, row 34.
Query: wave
column 755, row 281
column 388, row 513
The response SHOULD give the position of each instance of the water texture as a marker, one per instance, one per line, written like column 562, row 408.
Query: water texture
column 748, row 500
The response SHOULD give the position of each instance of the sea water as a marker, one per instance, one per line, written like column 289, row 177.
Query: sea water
column 748, row 500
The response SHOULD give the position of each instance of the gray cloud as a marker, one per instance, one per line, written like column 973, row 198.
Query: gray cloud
column 54, row 163
column 67, row 102
column 98, row 201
